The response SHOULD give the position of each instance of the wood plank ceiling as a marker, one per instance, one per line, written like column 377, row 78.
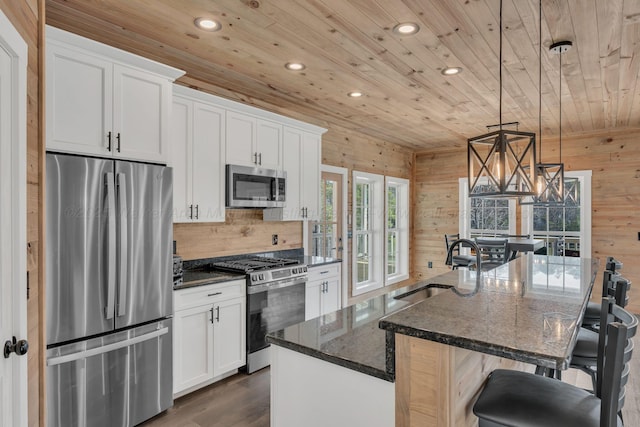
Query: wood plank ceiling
column 349, row 45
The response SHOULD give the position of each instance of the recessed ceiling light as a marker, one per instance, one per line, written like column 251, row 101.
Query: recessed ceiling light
column 207, row 24
column 451, row 71
column 406, row 28
column 355, row 94
column 294, row 66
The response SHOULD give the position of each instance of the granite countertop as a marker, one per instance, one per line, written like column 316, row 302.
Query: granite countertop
column 505, row 316
column 315, row 261
column 527, row 310
column 201, row 277
column 349, row 337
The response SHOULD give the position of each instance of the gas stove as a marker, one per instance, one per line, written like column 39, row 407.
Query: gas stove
column 261, row 270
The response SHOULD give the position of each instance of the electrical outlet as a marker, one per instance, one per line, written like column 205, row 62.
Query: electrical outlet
column 274, row 239
column 429, row 264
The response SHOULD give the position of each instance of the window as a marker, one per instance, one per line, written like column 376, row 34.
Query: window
column 397, row 230
column 566, row 229
column 482, row 216
column 380, row 231
column 368, row 226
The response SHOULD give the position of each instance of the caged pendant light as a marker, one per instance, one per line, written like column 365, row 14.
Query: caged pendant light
column 502, row 163
column 549, row 188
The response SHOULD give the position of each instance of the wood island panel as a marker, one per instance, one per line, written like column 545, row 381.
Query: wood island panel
column 437, row 384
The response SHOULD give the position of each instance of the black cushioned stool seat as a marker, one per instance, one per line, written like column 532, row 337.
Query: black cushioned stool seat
column 513, row 398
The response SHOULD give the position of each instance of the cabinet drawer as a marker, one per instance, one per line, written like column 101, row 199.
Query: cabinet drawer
column 206, row 294
column 324, row 271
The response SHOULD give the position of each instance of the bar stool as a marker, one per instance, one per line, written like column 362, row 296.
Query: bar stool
column 592, row 312
column 513, row 398
column 585, row 353
column 458, row 259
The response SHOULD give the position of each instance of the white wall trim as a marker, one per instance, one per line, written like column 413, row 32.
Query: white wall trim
column 16, row 47
column 344, row 172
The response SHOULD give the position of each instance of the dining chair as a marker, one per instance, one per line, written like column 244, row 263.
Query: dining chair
column 494, row 252
column 458, row 259
column 514, row 398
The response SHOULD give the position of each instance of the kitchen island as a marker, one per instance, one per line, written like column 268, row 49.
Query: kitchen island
column 419, row 355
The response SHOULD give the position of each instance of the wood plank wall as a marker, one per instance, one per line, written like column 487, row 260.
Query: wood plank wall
column 26, row 15
column 612, row 156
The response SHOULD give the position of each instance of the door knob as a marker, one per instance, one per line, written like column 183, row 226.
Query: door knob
column 19, row 347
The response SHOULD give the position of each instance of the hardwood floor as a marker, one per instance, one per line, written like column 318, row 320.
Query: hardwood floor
column 243, row 400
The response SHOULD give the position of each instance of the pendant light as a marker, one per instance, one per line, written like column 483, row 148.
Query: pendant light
column 502, row 163
column 549, row 189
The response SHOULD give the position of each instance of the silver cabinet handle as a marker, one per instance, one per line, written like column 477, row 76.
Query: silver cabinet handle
column 260, row 159
column 84, row 354
column 214, row 294
column 109, row 141
column 255, row 158
column 118, row 139
column 197, row 211
column 211, row 311
column 218, row 314
column 124, row 256
column 190, row 211
column 111, row 250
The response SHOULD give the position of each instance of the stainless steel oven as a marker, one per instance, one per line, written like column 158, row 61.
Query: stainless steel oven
column 275, row 300
column 249, row 187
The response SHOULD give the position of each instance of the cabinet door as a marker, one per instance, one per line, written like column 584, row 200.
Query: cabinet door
column 310, row 176
column 208, row 163
column 291, row 163
column 181, row 137
column 312, row 299
column 192, row 347
column 330, row 296
column 79, row 101
column 229, row 350
column 269, row 144
column 241, row 139
column 141, row 104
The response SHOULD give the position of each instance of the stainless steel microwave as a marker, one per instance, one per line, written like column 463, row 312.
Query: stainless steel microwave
column 249, row 187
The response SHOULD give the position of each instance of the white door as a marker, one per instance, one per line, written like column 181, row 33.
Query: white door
column 229, row 348
column 13, row 302
column 192, row 347
column 241, row 138
column 269, row 144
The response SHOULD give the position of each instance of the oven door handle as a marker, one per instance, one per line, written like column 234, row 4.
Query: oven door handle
column 254, row 289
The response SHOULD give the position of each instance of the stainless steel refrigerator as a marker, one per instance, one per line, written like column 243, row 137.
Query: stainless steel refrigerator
column 108, row 291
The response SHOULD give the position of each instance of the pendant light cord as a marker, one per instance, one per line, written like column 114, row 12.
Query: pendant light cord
column 560, row 73
column 540, row 79
column 500, row 58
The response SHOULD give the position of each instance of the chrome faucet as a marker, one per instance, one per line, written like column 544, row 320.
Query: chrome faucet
column 449, row 261
column 466, row 242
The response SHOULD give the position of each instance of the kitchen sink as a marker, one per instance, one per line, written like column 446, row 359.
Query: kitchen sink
column 425, row 292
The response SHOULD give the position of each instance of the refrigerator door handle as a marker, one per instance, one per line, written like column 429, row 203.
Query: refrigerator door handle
column 106, row 348
column 111, row 237
column 124, row 256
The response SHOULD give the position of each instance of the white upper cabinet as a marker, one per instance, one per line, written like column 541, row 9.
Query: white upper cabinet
column 106, row 102
column 253, row 142
column 301, row 162
column 198, row 152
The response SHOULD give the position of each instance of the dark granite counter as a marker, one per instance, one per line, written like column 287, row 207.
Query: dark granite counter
column 316, row 261
column 526, row 310
column 349, row 337
column 201, row 277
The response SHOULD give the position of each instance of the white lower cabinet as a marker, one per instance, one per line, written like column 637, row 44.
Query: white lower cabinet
column 209, row 334
column 323, row 291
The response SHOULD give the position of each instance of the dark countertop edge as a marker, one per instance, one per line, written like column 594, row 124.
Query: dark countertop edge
column 325, row 261
column 205, row 282
column 345, row 363
column 478, row 346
